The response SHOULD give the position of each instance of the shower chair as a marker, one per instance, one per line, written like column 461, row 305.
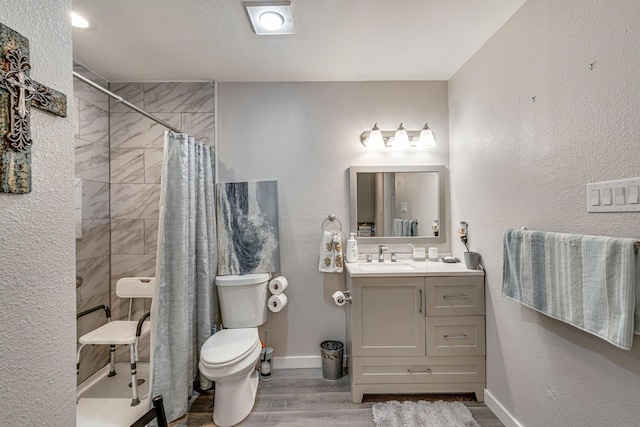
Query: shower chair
column 121, row 332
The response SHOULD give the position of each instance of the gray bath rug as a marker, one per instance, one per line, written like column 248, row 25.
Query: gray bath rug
column 422, row 414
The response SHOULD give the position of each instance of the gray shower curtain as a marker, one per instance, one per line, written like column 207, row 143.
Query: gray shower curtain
column 185, row 307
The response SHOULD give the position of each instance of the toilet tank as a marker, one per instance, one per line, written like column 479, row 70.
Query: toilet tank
column 243, row 299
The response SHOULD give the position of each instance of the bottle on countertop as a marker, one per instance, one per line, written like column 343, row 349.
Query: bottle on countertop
column 352, row 248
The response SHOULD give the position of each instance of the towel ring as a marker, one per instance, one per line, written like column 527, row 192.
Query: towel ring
column 332, row 218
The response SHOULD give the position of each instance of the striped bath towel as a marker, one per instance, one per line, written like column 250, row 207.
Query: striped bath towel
column 590, row 282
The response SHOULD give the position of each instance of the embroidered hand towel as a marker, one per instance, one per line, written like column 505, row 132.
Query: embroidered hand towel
column 330, row 253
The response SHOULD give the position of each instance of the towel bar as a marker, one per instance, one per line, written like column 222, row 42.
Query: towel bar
column 332, row 218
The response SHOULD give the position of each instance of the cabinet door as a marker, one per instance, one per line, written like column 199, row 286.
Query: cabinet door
column 388, row 316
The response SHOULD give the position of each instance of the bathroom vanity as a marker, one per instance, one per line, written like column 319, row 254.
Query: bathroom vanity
column 415, row 327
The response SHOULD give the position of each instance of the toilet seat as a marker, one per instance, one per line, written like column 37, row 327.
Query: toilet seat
column 228, row 347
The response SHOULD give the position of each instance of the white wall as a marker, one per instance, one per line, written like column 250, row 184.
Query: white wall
column 37, row 307
column 305, row 136
column 515, row 162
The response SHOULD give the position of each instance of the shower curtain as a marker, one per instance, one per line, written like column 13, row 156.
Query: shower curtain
column 185, row 306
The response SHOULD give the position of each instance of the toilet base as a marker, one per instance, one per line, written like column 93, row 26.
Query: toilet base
column 234, row 399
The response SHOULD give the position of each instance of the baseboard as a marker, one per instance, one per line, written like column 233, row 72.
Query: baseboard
column 503, row 415
column 296, row 362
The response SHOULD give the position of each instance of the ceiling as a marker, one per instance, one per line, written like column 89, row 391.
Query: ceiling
column 334, row 40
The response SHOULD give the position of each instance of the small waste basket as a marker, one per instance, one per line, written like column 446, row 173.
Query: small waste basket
column 332, row 352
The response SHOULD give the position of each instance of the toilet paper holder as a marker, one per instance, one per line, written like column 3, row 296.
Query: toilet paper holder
column 340, row 297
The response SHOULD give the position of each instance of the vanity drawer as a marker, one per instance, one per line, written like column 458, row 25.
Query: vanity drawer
column 418, row 370
column 455, row 336
column 455, row 296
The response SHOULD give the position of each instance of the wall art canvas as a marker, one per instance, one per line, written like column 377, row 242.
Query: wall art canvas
column 248, row 234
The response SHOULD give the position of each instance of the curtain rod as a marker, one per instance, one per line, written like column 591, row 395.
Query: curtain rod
column 124, row 102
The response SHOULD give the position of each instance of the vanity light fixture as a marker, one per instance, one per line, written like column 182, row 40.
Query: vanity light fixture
column 398, row 139
column 270, row 17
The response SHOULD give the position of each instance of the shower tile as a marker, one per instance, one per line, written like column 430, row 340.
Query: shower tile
column 95, row 200
column 92, row 360
column 153, row 161
column 132, row 130
column 150, row 236
column 132, row 266
column 135, row 201
column 91, row 95
column 247, row 215
column 127, row 166
column 94, row 123
column 179, row 97
column 201, row 126
column 92, row 161
column 95, row 239
column 95, row 274
column 131, row 92
column 127, row 237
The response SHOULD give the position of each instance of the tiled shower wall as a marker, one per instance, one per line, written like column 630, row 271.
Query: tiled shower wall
column 136, row 164
column 119, row 159
column 93, row 248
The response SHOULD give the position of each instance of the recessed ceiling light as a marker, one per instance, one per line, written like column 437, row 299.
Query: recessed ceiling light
column 79, row 21
column 270, row 18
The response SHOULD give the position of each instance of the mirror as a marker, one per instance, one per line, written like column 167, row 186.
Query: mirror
column 398, row 204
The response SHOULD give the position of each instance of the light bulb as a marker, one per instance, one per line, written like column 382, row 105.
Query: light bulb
column 78, row 21
column 426, row 139
column 271, row 20
column 401, row 139
column 375, row 138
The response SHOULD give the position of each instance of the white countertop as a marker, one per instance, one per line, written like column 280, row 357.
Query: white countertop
column 407, row 268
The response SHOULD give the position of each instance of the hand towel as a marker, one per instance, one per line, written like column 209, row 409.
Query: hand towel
column 397, row 227
column 331, row 253
column 590, row 282
column 406, row 227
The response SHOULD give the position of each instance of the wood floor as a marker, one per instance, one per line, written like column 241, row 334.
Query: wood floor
column 302, row 397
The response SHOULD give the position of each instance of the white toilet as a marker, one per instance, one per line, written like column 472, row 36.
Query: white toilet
column 229, row 357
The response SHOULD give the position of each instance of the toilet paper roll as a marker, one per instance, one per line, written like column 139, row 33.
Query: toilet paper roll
column 277, row 302
column 339, row 298
column 278, row 284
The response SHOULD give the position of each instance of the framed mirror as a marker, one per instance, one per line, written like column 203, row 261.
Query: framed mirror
column 398, row 204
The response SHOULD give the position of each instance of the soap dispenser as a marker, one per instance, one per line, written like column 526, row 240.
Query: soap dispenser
column 352, row 248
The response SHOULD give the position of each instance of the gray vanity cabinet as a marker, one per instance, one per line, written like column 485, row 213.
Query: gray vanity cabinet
column 416, row 335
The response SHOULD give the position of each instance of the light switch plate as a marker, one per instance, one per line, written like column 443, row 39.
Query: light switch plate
column 614, row 196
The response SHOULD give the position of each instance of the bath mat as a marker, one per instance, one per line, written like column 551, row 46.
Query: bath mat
column 422, row 414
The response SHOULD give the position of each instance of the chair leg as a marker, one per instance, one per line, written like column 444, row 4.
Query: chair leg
column 134, row 376
column 112, row 360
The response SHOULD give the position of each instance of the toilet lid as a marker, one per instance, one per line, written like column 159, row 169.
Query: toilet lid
column 228, row 345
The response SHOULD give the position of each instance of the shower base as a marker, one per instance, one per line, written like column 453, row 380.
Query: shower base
column 106, row 402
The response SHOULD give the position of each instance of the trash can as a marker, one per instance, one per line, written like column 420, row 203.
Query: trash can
column 332, row 352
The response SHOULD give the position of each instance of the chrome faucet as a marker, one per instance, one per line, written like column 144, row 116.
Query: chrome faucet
column 381, row 249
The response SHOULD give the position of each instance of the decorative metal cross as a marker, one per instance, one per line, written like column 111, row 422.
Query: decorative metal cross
column 17, row 93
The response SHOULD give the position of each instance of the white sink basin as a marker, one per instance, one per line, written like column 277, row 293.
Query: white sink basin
column 386, row 266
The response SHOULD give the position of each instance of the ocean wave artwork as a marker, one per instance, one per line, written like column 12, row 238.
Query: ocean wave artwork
column 248, row 234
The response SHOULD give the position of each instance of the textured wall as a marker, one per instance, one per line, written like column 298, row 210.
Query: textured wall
column 305, row 136
column 37, row 308
column 515, row 162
